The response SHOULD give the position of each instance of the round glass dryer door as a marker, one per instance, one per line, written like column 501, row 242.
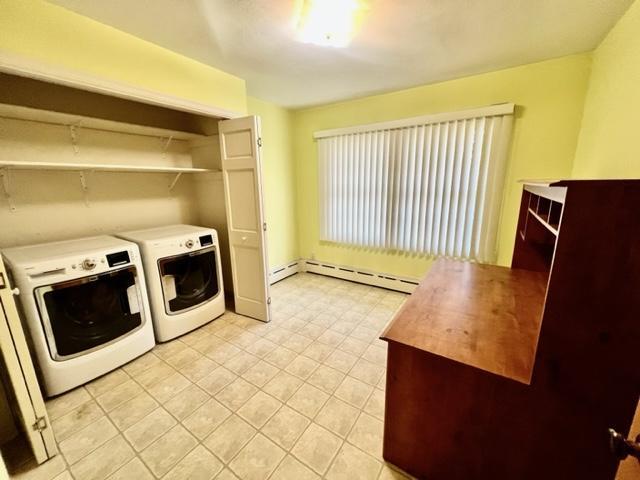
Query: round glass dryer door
column 189, row 280
column 87, row 313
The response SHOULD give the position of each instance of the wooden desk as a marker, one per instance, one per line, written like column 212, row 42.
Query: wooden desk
column 497, row 373
column 483, row 316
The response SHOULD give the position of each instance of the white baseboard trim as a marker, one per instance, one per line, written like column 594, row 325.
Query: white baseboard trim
column 359, row 275
column 284, row 271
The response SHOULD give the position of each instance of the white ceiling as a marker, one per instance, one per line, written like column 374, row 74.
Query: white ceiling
column 401, row 43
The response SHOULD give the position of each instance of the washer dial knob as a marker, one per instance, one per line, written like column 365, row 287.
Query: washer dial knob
column 88, row 264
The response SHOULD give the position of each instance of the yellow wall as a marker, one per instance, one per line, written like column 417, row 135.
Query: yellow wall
column 46, row 33
column 549, row 96
column 279, row 181
column 608, row 144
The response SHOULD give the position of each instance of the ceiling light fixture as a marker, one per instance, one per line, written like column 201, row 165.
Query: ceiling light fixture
column 328, row 23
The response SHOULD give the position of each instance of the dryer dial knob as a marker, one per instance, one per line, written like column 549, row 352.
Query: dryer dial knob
column 188, row 244
column 88, row 264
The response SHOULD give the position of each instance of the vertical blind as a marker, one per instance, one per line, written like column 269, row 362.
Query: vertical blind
column 430, row 185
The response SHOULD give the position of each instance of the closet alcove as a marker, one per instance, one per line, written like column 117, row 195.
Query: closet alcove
column 81, row 159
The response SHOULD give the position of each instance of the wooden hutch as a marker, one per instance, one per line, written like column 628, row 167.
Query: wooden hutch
column 517, row 373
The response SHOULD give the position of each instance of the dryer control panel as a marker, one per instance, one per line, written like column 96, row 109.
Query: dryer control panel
column 169, row 245
column 200, row 241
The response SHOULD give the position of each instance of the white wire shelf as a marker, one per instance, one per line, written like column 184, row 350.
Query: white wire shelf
column 97, row 167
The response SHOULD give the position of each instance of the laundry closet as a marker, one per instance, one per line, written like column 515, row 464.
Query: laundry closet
column 77, row 161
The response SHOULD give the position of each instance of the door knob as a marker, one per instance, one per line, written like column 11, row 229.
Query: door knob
column 622, row 447
column 244, row 239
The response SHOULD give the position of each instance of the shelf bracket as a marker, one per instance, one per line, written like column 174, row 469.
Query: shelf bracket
column 166, row 144
column 175, row 180
column 4, row 174
column 74, row 138
column 85, row 187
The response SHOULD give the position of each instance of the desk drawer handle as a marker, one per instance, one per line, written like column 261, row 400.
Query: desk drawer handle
column 622, row 447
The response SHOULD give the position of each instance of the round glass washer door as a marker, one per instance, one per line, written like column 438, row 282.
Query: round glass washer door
column 189, row 280
column 87, row 313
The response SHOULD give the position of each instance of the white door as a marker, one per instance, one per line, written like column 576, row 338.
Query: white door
column 25, row 391
column 242, row 173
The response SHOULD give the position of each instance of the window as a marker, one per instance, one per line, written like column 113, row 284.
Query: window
column 430, row 185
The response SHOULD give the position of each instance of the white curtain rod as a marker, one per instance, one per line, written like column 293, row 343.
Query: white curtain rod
column 490, row 111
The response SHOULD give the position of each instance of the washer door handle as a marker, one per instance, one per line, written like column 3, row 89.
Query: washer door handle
column 132, row 297
column 169, row 287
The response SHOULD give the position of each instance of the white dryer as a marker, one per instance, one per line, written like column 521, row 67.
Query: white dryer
column 184, row 278
column 85, row 306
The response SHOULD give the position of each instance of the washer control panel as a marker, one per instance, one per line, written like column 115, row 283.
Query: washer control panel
column 70, row 267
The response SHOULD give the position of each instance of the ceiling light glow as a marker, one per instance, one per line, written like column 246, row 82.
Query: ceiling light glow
column 329, row 23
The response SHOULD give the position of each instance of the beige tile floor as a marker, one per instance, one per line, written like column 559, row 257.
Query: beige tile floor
column 299, row 398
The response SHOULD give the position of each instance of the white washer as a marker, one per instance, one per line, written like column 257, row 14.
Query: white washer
column 85, row 306
column 182, row 265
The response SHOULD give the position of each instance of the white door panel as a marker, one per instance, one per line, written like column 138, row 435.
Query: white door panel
column 242, row 174
column 239, row 144
column 22, row 376
column 245, row 218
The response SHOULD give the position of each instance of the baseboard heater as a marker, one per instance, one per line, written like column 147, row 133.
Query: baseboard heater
column 280, row 273
column 384, row 280
column 391, row 282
